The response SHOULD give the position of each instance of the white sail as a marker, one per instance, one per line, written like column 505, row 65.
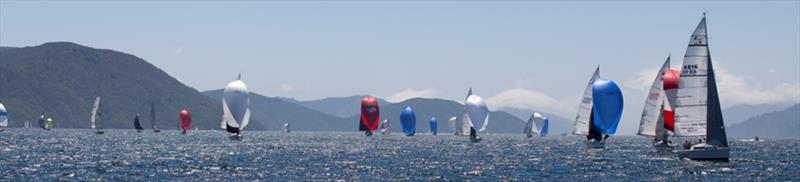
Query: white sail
column 692, row 96
column 529, row 127
column 452, row 121
column 95, row 118
column 3, row 116
column 235, row 105
column 477, row 111
column 585, row 107
column 651, row 113
column 286, row 128
column 465, row 124
column 385, row 126
column 538, row 123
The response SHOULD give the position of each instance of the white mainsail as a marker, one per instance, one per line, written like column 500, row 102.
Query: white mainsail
column 585, row 107
column 286, row 128
column 452, row 121
column 652, row 119
column 691, row 105
column 385, row 126
column 465, row 124
column 3, row 116
column 235, row 105
column 697, row 107
column 95, row 118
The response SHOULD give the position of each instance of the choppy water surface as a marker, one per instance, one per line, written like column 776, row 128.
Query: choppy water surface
column 32, row 154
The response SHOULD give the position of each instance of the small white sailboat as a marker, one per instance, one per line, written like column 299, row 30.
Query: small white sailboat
column 697, row 108
column 476, row 111
column 3, row 116
column 452, row 121
column 536, row 125
column 96, row 116
column 385, row 127
column 652, row 121
column 286, row 128
column 153, row 117
column 235, row 108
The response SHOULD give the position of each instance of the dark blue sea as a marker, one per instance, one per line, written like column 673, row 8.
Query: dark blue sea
column 126, row 155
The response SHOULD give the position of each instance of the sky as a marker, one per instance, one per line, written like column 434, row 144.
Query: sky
column 534, row 55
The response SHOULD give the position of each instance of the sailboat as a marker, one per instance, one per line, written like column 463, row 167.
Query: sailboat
column 49, row 124
column 697, row 108
column 137, row 124
column 3, row 116
column 370, row 115
column 599, row 111
column 432, row 123
column 476, row 111
column 186, row 121
column 27, row 124
column 96, row 117
column 536, row 125
column 385, row 127
column 43, row 122
column 235, row 108
column 453, row 124
column 408, row 121
column 153, row 117
column 286, row 128
column 657, row 118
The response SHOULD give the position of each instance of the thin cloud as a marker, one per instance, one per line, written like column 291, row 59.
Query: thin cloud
column 531, row 100
column 409, row 93
column 733, row 89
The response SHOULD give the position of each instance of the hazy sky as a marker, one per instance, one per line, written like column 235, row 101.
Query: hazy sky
column 530, row 55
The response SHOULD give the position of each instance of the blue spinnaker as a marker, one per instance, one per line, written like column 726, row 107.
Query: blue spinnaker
column 408, row 121
column 607, row 106
column 546, row 127
column 433, row 126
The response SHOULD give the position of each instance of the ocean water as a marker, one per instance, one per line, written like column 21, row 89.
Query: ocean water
column 126, row 155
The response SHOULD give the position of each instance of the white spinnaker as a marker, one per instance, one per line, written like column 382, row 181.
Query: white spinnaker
column 236, row 105
column 452, row 122
column 585, row 107
column 3, row 116
column 538, row 123
column 477, row 111
column 95, row 110
column 691, row 105
column 651, row 113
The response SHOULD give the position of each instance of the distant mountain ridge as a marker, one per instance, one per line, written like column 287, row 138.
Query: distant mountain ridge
column 785, row 124
column 739, row 113
column 337, row 106
column 62, row 79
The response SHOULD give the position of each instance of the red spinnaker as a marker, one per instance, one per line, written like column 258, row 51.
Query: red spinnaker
column 186, row 120
column 671, row 79
column 370, row 114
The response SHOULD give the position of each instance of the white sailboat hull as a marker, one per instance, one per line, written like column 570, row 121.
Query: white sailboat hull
column 705, row 152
